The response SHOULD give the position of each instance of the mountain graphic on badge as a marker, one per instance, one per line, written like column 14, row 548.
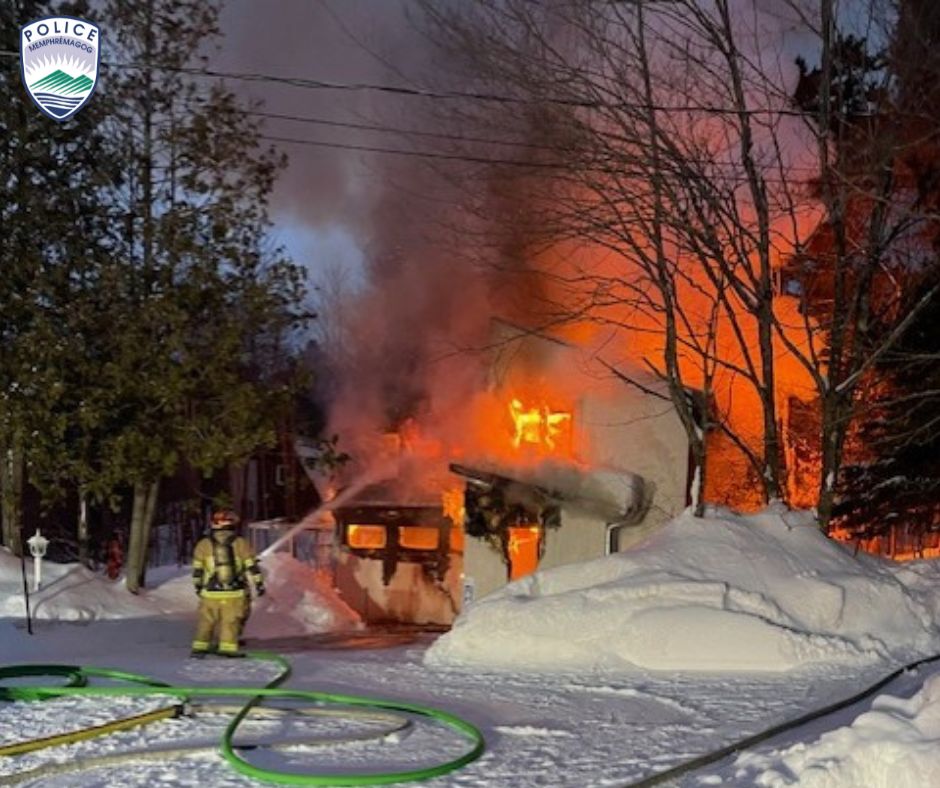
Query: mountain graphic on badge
column 59, row 93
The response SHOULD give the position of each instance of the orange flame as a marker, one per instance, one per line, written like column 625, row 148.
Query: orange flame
column 539, row 425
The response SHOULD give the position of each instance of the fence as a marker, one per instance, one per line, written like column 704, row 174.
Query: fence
column 313, row 546
column 173, row 543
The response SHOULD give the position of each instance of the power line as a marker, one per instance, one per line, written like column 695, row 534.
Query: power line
column 433, row 155
column 415, row 153
column 469, row 159
column 404, row 132
column 451, row 95
column 379, row 128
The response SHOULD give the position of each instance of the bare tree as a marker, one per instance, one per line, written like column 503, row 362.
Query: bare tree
column 667, row 152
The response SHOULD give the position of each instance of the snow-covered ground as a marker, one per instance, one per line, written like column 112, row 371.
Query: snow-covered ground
column 766, row 592
column 598, row 716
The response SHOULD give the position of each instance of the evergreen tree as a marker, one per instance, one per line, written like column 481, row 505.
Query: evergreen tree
column 52, row 177
column 197, row 288
column 140, row 308
column 895, row 479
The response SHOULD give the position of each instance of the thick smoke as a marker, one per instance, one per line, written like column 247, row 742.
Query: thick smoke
column 406, row 344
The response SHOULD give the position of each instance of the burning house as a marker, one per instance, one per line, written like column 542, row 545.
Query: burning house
column 545, row 465
column 574, row 466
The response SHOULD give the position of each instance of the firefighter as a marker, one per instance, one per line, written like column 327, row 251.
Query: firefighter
column 223, row 564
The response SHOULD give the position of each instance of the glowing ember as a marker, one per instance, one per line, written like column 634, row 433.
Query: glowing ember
column 452, row 503
column 539, row 426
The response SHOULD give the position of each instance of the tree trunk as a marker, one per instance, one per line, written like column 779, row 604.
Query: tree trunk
column 84, row 552
column 145, row 505
column 835, row 416
column 11, row 481
column 698, row 478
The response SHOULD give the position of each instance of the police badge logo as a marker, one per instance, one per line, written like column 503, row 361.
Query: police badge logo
column 59, row 59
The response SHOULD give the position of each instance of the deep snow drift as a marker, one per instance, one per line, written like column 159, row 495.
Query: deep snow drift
column 765, row 592
column 299, row 600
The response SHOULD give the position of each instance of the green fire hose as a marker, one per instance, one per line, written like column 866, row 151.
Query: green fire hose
column 76, row 683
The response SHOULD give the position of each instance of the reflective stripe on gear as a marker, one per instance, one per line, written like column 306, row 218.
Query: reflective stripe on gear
column 239, row 593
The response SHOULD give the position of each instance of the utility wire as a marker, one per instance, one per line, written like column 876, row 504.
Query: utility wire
column 405, row 132
column 433, row 155
column 400, row 90
column 329, row 123
column 416, row 153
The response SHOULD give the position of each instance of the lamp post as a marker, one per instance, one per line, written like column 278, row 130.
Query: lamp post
column 37, row 547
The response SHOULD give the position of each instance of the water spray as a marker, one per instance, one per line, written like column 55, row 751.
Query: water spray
column 377, row 473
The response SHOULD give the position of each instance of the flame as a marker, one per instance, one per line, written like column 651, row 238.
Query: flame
column 537, row 425
column 418, row 537
column 452, row 503
column 523, row 550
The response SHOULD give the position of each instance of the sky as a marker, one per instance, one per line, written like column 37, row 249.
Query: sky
column 325, row 204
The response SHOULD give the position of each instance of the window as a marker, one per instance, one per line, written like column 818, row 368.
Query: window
column 523, row 548
column 366, row 537
column 416, row 537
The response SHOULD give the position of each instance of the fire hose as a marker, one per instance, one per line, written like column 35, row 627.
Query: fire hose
column 693, row 765
column 76, row 684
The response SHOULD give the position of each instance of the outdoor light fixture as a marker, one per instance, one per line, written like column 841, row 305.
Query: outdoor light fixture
column 37, row 547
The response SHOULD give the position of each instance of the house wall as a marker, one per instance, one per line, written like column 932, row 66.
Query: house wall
column 633, row 440
column 617, row 425
column 626, row 429
column 579, row 538
column 410, row 596
column 483, row 567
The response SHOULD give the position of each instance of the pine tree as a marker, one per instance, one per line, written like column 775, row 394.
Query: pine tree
column 52, row 177
column 197, row 287
column 896, row 480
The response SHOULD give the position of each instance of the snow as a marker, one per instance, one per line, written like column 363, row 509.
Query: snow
column 298, row 601
column 896, row 744
column 70, row 592
column 821, row 624
column 764, row 592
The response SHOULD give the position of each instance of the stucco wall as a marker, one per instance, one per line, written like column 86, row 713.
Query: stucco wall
column 617, row 429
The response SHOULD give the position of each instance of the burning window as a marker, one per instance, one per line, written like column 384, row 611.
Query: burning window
column 366, row 537
column 522, row 548
column 416, row 537
column 511, row 516
column 539, row 425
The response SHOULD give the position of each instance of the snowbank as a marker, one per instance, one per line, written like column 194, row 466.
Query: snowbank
column 70, row 592
column 299, row 600
column 895, row 745
column 765, row 592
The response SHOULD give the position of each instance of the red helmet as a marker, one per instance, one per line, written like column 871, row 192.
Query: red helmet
column 224, row 518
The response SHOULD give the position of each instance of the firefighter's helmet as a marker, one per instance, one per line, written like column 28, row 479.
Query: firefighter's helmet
column 224, row 518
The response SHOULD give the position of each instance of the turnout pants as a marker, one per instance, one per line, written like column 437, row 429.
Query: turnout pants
column 221, row 616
